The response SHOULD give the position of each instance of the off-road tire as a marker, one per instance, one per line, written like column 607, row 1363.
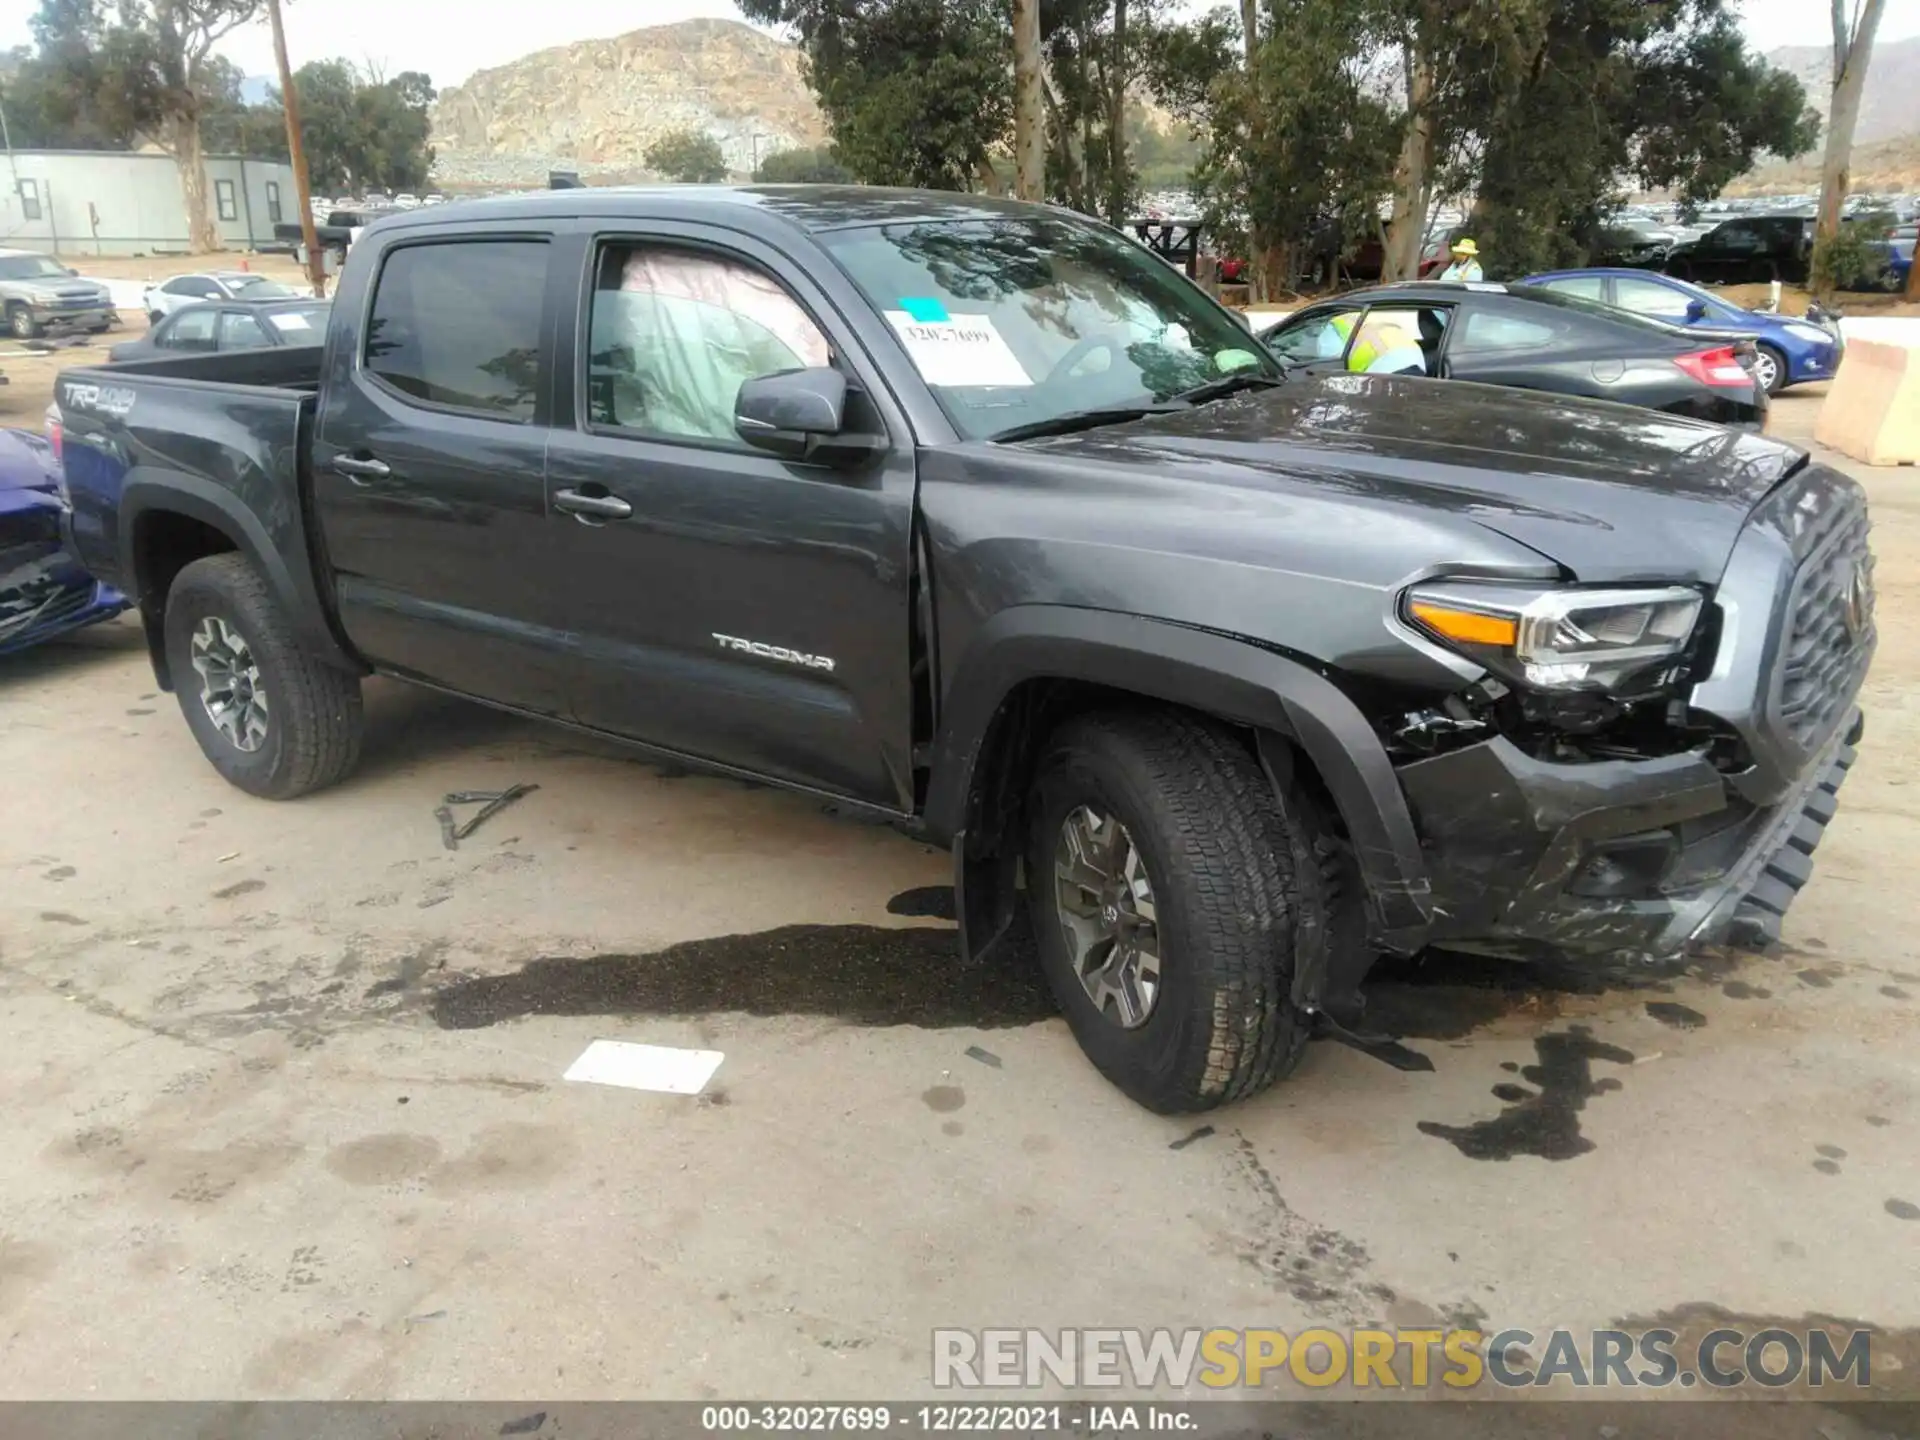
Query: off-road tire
column 314, row 720
column 1245, row 882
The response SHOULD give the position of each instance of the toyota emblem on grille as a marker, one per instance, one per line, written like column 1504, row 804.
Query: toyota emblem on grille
column 1858, row 601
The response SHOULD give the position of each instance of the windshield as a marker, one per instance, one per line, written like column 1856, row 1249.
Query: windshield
column 1025, row 319
column 31, row 267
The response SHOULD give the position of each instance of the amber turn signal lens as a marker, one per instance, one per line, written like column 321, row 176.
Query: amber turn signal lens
column 1467, row 626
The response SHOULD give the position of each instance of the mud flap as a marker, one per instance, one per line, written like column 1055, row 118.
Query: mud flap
column 985, row 888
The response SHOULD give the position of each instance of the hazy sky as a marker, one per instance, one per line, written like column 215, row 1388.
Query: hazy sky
column 450, row 39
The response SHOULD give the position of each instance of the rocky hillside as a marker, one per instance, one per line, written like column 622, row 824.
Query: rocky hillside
column 597, row 105
column 1890, row 107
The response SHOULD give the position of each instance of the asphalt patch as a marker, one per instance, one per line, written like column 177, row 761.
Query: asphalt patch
column 1545, row 1123
column 861, row 974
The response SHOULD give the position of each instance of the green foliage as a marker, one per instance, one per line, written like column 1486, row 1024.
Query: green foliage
column 1296, row 143
column 1597, row 89
column 360, row 132
column 802, row 167
column 690, row 156
column 916, row 92
column 1853, row 258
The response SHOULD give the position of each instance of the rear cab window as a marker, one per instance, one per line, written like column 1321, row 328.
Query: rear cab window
column 455, row 324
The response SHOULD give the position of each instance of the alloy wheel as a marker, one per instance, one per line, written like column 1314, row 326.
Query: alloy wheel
column 1107, row 915
column 230, row 688
column 1766, row 371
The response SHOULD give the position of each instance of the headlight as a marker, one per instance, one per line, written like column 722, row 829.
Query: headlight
column 1810, row 332
column 1559, row 639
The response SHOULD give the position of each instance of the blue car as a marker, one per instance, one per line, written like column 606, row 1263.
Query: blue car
column 43, row 590
column 1792, row 350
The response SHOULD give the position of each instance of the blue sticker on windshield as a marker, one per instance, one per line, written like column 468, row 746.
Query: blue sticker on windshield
column 927, row 312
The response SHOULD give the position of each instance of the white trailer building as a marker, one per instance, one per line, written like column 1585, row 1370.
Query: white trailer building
column 110, row 202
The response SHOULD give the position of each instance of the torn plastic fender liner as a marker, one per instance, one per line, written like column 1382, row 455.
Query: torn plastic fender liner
column 1277, row 697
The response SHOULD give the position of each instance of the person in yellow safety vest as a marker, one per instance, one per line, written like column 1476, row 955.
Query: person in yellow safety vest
column 1466, row 262
column 1333, row 339
column 1385, row 348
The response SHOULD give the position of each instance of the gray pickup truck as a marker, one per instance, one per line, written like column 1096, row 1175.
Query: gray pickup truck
column 978, row 516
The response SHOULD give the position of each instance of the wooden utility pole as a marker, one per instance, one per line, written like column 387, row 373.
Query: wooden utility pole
column 302, row 189
column 1029, row 104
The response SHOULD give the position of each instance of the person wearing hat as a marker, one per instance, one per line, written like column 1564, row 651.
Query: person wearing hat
column 1466, row 262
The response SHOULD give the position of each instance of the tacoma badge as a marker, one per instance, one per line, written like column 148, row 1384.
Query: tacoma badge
column 774, row 652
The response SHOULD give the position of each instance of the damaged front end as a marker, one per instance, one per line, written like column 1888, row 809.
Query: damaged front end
column 1656, row 771
column 43, row 591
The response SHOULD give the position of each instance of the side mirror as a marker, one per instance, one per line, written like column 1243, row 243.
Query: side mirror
column 800, row 415
column 1696, row 310
column 72, row 271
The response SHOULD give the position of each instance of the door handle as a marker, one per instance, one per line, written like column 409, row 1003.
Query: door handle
column 589, row 508
column 361, row 472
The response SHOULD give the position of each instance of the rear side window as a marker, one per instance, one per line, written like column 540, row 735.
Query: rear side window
column 457, row 324
column 1487, row 333
column 240, row 332
column 1648, row 297
column 1587, row 287
column 191, row 330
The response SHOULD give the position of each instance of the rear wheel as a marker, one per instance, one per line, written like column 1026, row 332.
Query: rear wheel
column 1770, row 369
column 1171, row 891
column 270, row 718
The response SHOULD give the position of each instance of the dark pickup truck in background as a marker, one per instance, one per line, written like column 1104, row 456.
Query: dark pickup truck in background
column 978, row 516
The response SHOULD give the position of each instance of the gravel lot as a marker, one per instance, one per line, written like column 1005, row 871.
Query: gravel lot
column 287, row 1080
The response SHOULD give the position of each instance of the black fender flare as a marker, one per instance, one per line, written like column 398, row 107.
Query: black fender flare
column 149, row 490
column 1218, row 675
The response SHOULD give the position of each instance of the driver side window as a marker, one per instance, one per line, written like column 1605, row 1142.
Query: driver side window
column 1324, row 337
column 673, row 334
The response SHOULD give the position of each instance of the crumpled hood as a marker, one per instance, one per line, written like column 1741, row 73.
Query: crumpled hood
column 1611, row 492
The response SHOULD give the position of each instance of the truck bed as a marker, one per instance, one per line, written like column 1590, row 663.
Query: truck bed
column 222, row 439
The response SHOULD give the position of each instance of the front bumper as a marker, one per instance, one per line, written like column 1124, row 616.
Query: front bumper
column 63, row 317
column 1641, row 859
column 1648, row 856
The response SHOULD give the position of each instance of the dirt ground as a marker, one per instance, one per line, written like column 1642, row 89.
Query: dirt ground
column 286, row 1115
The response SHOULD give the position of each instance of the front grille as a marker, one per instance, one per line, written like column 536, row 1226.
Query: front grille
column 1829, row 633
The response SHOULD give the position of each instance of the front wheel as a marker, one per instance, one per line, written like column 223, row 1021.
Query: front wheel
column 1170, row 891
column 1770, row 369
column 271, row 719
column 20, row 321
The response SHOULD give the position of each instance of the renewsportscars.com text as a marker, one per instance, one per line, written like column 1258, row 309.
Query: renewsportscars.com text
column 1399, row 1359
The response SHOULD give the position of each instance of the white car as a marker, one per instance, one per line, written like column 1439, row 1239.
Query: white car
column 163, row 299
column 407, row 200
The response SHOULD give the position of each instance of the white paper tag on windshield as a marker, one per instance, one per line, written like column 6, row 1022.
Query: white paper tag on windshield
column 289, row 320
column 962, row 350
